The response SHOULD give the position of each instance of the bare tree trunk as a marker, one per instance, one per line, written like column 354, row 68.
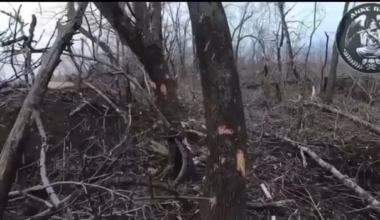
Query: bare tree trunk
column 279, row 42
column 226, row 132
column 288, row 41
column 195, row 58
column 183, row 50
column 238, row 29
column 144, row 37
column 181, row 39
column 15, row 144
column 328, row 96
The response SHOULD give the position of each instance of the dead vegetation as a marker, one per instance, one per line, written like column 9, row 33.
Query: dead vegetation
column 103, row 148
column 90, row 164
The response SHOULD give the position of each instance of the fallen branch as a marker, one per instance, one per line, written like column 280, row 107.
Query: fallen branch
column 123, row 115
column 77, row 109
column 45, row 180
column 372, row 201
column 266, row 191
column 81, row 184
column 354, row 118
column 276, row 204
column 47, row 203
column 155, row 184
column 40, row 215
column 268, row 195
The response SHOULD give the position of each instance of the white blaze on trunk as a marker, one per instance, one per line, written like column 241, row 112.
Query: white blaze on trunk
column 240, row 162
column 163, row 89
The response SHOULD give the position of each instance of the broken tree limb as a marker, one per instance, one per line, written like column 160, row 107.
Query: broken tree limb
column 123, row 115
column 268, row 195
column 281, row 203
column 43, row 173
column 354, row 118
column 372, row 201
column 266, row 191
column 14, row 146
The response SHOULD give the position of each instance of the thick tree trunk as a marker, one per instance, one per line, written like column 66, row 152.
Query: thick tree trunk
column 329, row 94
column 145, row 40
column 226, row 132
column 149, row 50
column 14, row 146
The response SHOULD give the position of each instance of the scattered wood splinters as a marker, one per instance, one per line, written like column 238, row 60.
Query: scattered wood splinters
column 163, row 89
column 240, row 156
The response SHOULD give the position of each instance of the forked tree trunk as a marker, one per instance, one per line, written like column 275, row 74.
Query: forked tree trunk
column 16, row 141
column 329, row 93
column 144, row 37
column 226, row 132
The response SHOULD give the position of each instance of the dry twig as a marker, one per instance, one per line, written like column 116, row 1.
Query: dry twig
column 123, row 115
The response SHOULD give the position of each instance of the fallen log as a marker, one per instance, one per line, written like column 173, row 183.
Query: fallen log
column 348, row 182
column 353, row 118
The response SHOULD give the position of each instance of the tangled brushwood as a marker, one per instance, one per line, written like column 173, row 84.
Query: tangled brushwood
column 126, row 136
column 82, row 159
column 81, row 155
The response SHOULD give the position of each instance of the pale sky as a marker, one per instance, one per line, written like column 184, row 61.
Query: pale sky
column 333, row 14
column 332, row 10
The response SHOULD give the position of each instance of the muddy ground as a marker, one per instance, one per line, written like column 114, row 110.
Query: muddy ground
column 92, row 147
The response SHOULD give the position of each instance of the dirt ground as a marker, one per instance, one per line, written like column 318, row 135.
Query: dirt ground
column 92, row 148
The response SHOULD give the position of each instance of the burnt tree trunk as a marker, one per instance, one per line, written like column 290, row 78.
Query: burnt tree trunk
column 16, row 141
column 328, row 96
column 226, row 131
column 144, row 37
